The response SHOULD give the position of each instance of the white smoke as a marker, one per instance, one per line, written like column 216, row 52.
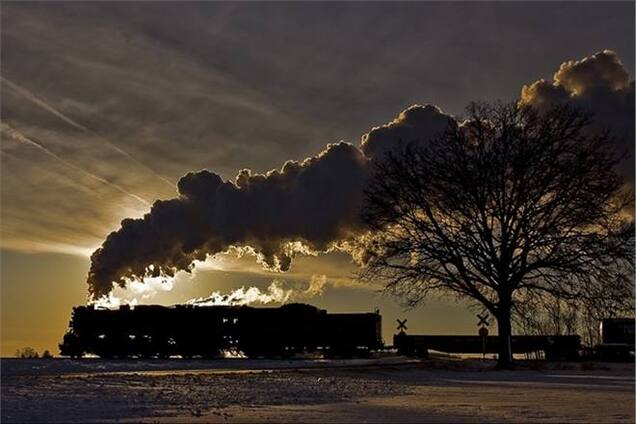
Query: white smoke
column 134, row 292
column 276, row 292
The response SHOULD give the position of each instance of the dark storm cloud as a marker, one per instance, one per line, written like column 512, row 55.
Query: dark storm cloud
column 311, row 206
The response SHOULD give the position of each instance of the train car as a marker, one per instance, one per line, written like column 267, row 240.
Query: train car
column 208, row 331
column 618, row 330
column 555, row 347
column 618, row 340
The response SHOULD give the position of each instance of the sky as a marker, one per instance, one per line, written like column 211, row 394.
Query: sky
column 105, row 106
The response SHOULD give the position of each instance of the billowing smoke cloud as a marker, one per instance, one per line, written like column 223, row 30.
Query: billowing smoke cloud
column 305, row 207
column 415, row 124
column 599, row 84
column 313, row 206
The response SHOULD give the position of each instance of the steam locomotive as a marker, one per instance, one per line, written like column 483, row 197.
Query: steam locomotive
column 208, row 331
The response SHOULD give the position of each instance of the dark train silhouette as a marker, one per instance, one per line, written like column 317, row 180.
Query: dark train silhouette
column 557, row 347
column 617, row 340
column 617, row 335
column 208, row 331
column 147, row 331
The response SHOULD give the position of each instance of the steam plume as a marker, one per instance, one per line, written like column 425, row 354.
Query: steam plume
column 312, row 206
column 599, row 84
column 305, row 207
column 276, row 292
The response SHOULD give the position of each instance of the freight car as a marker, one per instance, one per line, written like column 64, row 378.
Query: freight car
column 554, row 347
column 617, row 336
column 208, row 331
column 618, row 330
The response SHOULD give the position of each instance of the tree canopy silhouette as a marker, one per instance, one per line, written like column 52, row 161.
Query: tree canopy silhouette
column 26, row 353
column 511, row 203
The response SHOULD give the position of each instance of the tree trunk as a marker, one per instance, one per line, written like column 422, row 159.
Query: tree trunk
column 504, row 329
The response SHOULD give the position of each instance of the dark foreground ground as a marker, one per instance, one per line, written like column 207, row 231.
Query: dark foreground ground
column 382, row 390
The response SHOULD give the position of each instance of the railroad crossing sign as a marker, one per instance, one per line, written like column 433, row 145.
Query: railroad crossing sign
column 401, row 325
column 483, row 319
column 483, row 331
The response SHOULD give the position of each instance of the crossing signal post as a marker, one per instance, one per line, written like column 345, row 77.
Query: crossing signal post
column 483, row 331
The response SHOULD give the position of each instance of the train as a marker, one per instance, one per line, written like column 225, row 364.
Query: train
column 188, row 331
column 618, row 331
column 617, row 344
column 555, row 347
column 617, row 340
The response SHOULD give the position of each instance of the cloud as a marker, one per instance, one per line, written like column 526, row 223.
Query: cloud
column 21, row 138
column 310, row 206
column 39, row 102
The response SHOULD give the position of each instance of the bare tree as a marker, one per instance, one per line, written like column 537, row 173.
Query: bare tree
column 509, row 203
column 544, row 313
column 541, row 314
column 26, row 353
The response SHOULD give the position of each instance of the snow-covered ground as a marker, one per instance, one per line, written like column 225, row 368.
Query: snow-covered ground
column 364, row 390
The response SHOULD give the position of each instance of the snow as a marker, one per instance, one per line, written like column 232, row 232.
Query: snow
column 369, row 390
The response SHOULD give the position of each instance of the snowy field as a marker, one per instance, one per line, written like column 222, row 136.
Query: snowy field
column 372, row 390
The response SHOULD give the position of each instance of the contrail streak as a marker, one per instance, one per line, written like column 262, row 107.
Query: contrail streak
column 68, row 179
column 34, row 99
column 21, row 138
